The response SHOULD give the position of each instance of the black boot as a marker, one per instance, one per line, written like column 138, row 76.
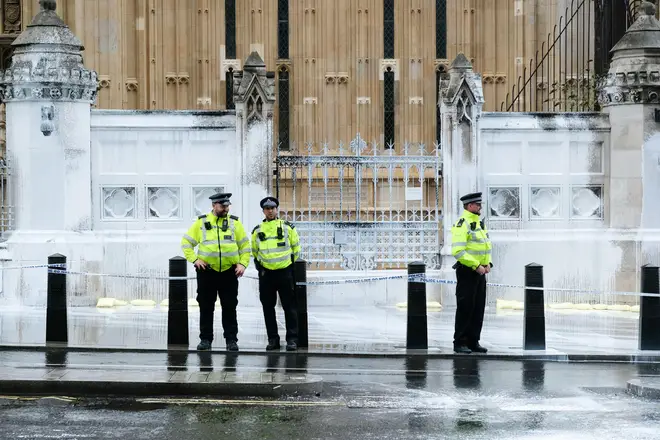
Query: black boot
column 291, row 346
column 204, row 345
column 273, row 344
column 462, row 348
column 477, row 348
column 232, row 346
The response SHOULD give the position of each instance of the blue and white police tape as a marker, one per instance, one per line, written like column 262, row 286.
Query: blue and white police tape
column 129, row 276
column 32, row 266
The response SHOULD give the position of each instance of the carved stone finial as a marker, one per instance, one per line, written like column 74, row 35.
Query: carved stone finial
column 648, row 8
column 48, row 5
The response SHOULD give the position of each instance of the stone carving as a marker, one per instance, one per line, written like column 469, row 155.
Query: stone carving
column 361, row 100
column 254, row 89
column 634, row 75
column 132, row 85
column 310, row 100
column 234, row 65
column 200, row 198
column 104, row 82
column 118, row 202
column 336, row 78
column 416, row 100
column 545, row 202
column 12, row 16
column 504, row 202
column 163, row 202
column 48, row 67
column 389, row 65
column 462, row 90
column 47, row 116
column 587, row 202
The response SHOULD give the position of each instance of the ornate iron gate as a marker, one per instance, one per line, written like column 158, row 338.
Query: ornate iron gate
column 365, row 207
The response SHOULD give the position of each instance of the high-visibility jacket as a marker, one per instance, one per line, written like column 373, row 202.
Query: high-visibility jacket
column 275, row 244
column 222, row 242
column 470, row 242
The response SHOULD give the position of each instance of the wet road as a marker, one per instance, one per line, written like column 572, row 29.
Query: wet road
column 375, row 398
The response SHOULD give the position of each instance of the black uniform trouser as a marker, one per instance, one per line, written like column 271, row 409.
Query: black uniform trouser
column 272, row 282
column 210, row 285
column 470, row 304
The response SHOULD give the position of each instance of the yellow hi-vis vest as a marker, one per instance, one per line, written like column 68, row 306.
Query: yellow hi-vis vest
column 275, row 244
column 470, row 242
column 222, row 242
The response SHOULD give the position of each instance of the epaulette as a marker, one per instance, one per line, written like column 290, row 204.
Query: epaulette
column 286, row 222
column 473, row 225
column 255, row 228
column 233, row 217
column 201, row 216
column 460, row 223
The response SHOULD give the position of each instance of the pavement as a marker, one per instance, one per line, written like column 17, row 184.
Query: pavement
column 378, row 331
column 411, row 397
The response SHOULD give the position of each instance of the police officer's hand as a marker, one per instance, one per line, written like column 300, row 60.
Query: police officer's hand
column 240, row 270
column 200, row 264
column 487, row 269
column 481, row 270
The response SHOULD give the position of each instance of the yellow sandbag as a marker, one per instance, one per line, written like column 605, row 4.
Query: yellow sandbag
column 599, row 306
column 635, row 309
column 518, row 305
column 105, row 303
column 143, row 302
column 433, row 305
column 504, row 304
column 562, row 306
column 583, row 306
column 619, row 307
column 165, row 303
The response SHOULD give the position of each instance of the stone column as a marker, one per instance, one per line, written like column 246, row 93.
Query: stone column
column 254, row 96
column 48, row 93
column 461, row 102
column 630, row 94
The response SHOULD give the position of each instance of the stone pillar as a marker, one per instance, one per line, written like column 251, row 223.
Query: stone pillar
column 254, row 96
column 48, row 93
column 630, row 94
column 461, row 102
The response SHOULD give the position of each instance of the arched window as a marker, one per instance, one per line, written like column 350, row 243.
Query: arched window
column 229, row 89
column 230, row 29
column 388, row 108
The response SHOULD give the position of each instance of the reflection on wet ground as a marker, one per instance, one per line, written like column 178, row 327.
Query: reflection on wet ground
column 376, row 398
column 358, row 329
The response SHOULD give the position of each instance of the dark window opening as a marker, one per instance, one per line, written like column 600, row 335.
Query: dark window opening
column 229, row 91
column 283, row 29
column 283, row 109
column 388, row 119
column 388, row 28
column 441, row 29
column 230, row 29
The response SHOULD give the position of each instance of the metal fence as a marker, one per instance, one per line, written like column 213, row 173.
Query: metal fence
column 363, row 206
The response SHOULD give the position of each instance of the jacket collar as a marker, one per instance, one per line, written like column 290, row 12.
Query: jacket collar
column 470, row 216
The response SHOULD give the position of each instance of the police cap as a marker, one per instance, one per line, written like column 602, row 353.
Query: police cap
column 222, row 198
column 269, row 202
column 471, row 198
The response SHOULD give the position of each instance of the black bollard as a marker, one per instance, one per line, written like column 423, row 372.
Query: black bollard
column 300, row 276
column 417, row 331
column 649, row 309
column 56, row 316
column 177, row 313
column 534, row 318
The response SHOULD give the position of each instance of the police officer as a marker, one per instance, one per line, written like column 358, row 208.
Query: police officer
column 472, row 249
column 221, row 259
column 275, row 247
